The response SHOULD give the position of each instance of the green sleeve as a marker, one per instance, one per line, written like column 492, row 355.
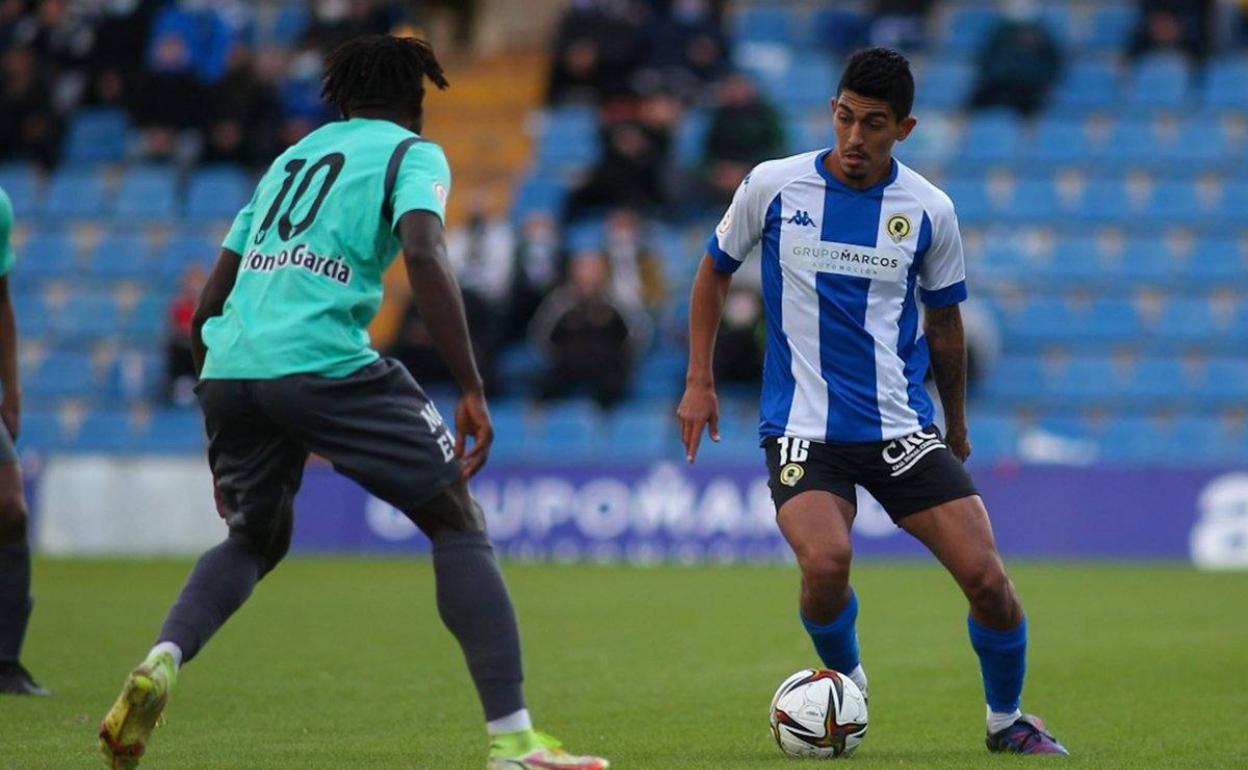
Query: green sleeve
column 236, row 238
column 424, row 182
column 7, row 256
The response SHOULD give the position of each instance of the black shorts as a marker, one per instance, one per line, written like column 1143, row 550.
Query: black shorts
column 376, row 426
column 905, row 475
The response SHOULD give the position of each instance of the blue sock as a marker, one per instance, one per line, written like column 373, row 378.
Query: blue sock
column 1003, row 663
column 837, row 642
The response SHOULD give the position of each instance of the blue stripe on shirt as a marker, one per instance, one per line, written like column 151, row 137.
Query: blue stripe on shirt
column 719, row 258
column 778, row 382
column 910, row 347
column 950, row 295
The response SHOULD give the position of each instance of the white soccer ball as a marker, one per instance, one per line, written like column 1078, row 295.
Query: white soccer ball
column 818, row 713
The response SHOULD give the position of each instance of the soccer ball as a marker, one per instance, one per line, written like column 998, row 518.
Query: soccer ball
column 818, row 713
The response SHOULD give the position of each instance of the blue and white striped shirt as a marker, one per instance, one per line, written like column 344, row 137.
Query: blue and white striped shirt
column 845, row 356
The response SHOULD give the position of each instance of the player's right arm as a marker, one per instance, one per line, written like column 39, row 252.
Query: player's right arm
column 736, row 236
column 212, row 301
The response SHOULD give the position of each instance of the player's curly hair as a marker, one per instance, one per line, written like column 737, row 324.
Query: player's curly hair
column 380, row 72
column 880, row 73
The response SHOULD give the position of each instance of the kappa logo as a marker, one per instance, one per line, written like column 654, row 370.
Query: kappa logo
column 904, row 453
column 802, row 218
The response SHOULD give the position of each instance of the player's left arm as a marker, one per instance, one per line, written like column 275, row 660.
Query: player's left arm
column 942, row 285
column 212, row 301
column 947, row 346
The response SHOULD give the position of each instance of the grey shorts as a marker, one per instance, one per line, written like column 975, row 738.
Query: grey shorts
column 376, row 426
column 8, row 452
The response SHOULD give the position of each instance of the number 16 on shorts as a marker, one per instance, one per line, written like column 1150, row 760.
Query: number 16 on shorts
column 793, row 450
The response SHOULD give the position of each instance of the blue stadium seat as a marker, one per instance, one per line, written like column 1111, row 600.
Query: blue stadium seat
column 147, row 192
column 41, row 431
column 87, row 318
column 1014, row 379
column 1084, row 381
column 1176, row 201
column 1108, row 320
column 1088, row 84
column 1131, row 143
column 1145, row 261
column 1111, row 25
column 172, row 430
column 569, row 139
column 763, row 24
column 1130, row 440
column 180, row 252
column 1076, row 261
column 1105, row 201
column 688, row 148
column 943, row 85
column 969, row 26
column 836, row 29
column 62, row 374
column 1184, row 322
column 218, row 193
column 1160, row 80
column 1224, row 83
column 74, row 194
column 1199, row 143
column 48, row 255
column 1215, row 261
column 1225, row 382
column 660, row 375
column 21, row 182
column 1000, row 260
column 122, row 257
column 994, row 437
column 971, row 200
column 569, row 429
column 148, row 320
column 639, row 430
column 808, row 83
column 1233, row 205
column 97, row 135
column 1198, row 439
column 34, row 319
column 1058, row 140
column 992, row 137
column 1156, row 381
column 105, row 431
column 1035, row 200
column 538, row 193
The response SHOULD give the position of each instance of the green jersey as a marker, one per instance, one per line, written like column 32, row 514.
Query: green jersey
column 315, row 239
column 7, row 257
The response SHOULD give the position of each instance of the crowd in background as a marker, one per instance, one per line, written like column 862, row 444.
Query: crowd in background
column 192, row 80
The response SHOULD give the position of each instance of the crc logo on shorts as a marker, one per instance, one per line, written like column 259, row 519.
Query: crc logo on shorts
column 791, row 474
column 898, row 227
column 793, row 452
column 904, row 453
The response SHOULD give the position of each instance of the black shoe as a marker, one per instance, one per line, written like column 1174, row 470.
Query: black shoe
column 16, row 680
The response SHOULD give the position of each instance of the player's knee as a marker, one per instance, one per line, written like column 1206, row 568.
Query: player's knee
column 12, row 518
column 990, row 592
column 825, row 564
column 452, row 510
column 269, row 540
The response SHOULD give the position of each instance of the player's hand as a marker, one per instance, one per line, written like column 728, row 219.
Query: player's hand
column 699, row 407
column 11, row 414
column 958, row 442
column 472, row 420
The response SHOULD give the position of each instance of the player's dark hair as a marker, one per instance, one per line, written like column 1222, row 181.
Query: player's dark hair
column 380, row 72
column 880, row 73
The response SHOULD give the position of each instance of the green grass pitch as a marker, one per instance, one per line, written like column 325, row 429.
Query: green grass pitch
column 342, row 663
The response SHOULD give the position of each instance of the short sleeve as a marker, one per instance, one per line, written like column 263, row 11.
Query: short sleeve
column 942, row 279
column 740, row 230
column 240, row 230
column 7, row 255
column 423, row 183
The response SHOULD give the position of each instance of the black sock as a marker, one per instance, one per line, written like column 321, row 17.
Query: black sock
column 221, row 581
column 474, row 605
column 15, row 602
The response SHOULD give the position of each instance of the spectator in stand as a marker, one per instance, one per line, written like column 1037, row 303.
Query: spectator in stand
column 686, row 50
column 1176, row 25
column 597, row 51
column 62, row 43
column 538, row 264
column 171, row 98
column 739, row 343
column 588, row 337
column 900, row 24
column 242, row 127
column 482, row 253
column 636, row 274
column 745, row 130
column 29, row 127
column 179, row 365
column 634, row 168
column 122, row 32
column 300, row 96
column 1019, row 62
column 336, row 21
